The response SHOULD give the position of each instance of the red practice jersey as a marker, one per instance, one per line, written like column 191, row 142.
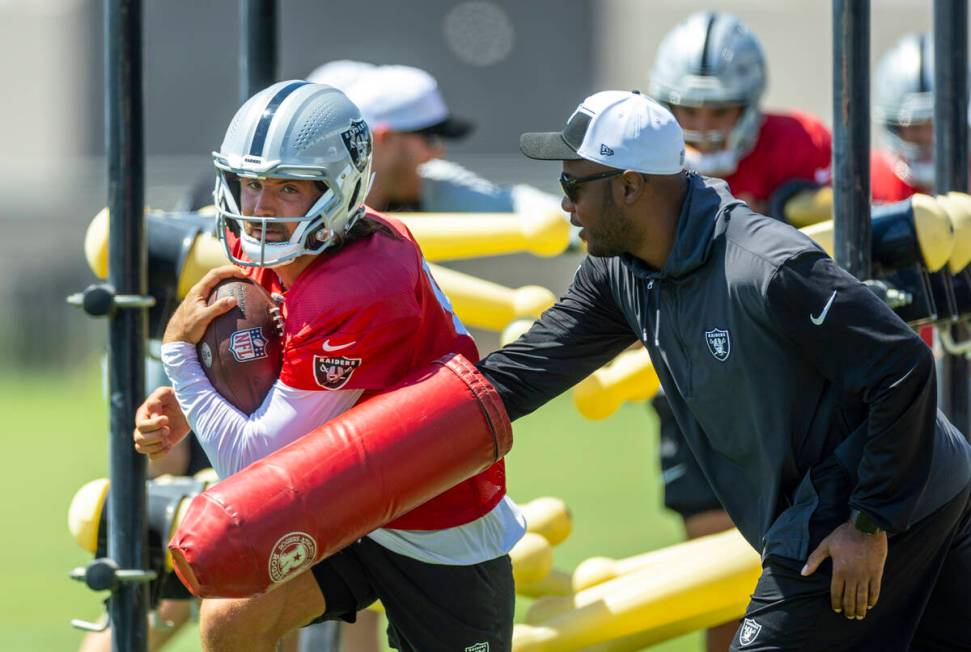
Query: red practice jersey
column 364, row 317
column 885, row 185
column 790, row 146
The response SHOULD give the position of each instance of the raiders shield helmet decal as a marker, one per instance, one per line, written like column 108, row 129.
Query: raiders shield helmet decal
column 334, row 372
column 357, row 139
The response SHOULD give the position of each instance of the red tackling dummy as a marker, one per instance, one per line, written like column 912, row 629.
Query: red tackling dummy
column 374, row 463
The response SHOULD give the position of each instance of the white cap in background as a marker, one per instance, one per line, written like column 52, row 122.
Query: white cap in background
column 398, row 98
column 341, row 74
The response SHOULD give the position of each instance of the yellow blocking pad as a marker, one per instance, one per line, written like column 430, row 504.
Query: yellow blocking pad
column 84, row 513
column 206, row 253
column 641, row 640
column 809, row 207
column 630, row 377
column 557, row 582
column 88, row 503
column 707, row 582
column 935, row 233
column 958, row 208
column 548, row 517
column 456, row 236
column 484, row 304
column 812, row 207
column 532, row 558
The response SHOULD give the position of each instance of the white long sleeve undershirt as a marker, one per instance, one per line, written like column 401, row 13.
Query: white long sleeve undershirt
column 233, row 441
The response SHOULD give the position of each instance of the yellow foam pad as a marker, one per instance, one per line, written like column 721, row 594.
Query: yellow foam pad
column 958, row 208
column 84, row 513
column 548, row 517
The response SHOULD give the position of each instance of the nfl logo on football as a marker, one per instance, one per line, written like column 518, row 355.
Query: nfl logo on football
column 249, row 344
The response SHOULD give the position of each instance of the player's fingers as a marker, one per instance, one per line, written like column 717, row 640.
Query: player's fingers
column 816, row 558
column 155, row 402
column 151, row 437
column 862, row 598
column 219, row 307
column 849, row 599
column 151, row 423
column 873, row 593
column 151, row 448
column 836, row 592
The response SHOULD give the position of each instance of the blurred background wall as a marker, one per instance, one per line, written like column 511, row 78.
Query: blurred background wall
column 510, row 66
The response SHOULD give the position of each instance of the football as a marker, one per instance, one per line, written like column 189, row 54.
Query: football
column 241, row 351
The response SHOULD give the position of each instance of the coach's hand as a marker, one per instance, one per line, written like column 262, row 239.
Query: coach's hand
column 858, row 561
column 189, row 321
column 159, row 424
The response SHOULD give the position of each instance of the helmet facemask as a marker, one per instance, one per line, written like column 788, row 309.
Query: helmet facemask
column 311, row 235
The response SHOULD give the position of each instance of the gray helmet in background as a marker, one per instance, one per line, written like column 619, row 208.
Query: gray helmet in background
column 713, row 58
column 295, row 130
column 903, row 95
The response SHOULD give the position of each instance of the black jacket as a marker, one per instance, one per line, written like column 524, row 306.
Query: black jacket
column 774, row 360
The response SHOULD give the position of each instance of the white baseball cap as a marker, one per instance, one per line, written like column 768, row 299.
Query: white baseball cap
column 341, row 74
column 620, row 129
column 399, row 98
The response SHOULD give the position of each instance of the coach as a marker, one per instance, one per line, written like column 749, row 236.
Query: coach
column 809, row 405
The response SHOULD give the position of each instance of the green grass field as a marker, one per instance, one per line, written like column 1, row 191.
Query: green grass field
column 54, row 438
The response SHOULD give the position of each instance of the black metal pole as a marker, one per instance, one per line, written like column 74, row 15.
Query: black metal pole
column 851, row 135
column 127, row 327
column 257, row 46
column 951, row 172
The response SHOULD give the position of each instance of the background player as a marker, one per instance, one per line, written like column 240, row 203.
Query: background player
column 412, row 123
column 349, row 280
column 903, row 107
column 710, row 72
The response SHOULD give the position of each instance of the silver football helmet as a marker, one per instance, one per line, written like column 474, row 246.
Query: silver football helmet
column 903, row 96
column 713, row 58
column 294, row 130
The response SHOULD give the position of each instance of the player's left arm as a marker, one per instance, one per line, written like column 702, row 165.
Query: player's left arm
column 862, row 347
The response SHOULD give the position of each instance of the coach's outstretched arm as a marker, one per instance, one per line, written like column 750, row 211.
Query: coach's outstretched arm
column 570, row 341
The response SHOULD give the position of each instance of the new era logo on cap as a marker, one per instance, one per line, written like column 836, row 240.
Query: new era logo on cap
column 620, row 129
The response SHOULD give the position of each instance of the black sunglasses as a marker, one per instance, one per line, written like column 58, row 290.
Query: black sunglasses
column 570, row 184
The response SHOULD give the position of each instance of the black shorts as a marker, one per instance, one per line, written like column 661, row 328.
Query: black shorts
column 686, row 490
column 430, row 607
column 925, row 596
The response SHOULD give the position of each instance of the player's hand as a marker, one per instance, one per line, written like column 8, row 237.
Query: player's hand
column 189, row 321
column 858, row 561
column 159, row 424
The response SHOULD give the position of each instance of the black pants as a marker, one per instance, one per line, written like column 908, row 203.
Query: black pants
column 430, row 607
column 924, row 606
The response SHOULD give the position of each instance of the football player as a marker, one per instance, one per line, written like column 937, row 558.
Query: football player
column 903, row 106
column 710, row 72
column 360, row 312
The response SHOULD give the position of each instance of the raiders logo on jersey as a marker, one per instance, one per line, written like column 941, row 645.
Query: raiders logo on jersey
column 334, row 372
